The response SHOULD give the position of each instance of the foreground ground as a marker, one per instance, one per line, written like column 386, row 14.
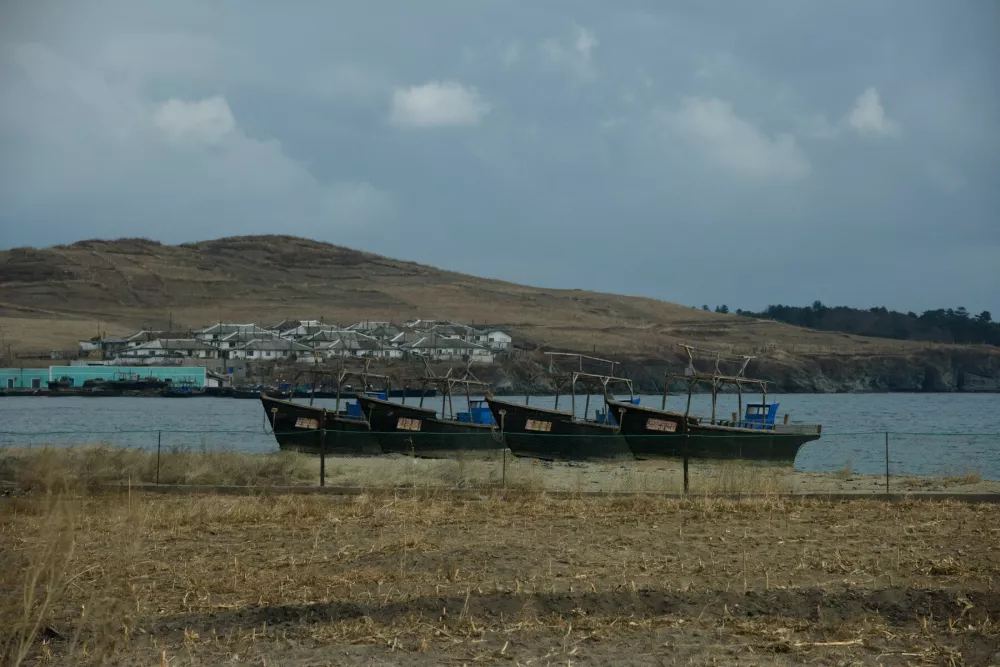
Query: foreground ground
column 521, row 580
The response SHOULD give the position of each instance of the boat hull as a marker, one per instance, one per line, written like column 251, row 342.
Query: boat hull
column 553, row 435
column 297, row 428
column 416, row 431
column 660, row 434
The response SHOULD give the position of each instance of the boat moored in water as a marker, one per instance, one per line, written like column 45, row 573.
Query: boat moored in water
column 558, row 435
column 755, row 436
column 314, row 430
column 420, row 431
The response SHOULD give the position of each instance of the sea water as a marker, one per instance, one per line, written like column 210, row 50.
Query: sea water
column 927, row 434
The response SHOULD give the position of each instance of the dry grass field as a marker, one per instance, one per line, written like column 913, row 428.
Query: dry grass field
column 50, row 298
column 131, row 579
column 92, row 467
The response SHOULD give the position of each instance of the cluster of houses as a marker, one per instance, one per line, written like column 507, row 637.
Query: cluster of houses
column 305, row 341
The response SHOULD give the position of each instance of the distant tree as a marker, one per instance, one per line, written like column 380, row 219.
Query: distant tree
column 739, row 311
column 951, row 325
column 722, row 309
column 704, row 307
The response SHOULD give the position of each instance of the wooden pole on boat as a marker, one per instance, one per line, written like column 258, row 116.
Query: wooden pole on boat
column 739, row 415
column 715, row 396
column 572, row 395
column 322, row 450
column 687, row 410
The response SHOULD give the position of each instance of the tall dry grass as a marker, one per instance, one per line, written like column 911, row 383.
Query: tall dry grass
column 94, row 467
column 61, row 469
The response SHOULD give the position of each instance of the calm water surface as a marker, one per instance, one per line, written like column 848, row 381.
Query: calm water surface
column 930, row 434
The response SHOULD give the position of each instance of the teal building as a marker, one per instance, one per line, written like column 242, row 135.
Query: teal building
column 38, row 378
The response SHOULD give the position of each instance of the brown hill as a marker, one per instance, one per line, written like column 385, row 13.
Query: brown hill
column 50, row 298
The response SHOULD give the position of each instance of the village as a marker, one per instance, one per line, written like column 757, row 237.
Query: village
column 227, row 353
column 306, row 341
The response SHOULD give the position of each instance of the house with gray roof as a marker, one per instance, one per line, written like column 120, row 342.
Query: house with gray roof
column 443, row 348
column 276, row 349
column 172, row 348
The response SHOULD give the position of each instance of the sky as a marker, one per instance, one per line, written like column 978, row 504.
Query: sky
column 703, row 153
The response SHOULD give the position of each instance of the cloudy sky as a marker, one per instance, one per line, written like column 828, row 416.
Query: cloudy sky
column 713, row 152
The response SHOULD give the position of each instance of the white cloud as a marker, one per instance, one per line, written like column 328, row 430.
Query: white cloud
column 208, row 120
column 712, row 127
column 585, row 41
column 178, row 166
column 437, row 103
column 511, row 54
column 575, row 58
column 868, row 116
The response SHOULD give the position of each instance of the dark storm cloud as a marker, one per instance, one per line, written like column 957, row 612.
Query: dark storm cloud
column 718, row 152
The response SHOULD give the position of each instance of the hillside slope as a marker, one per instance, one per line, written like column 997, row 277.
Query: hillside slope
column 51, row 297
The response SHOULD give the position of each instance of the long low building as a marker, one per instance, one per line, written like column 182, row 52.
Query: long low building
column 38, row 378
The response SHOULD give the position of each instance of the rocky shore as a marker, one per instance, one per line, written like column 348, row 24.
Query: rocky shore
column 933, row 370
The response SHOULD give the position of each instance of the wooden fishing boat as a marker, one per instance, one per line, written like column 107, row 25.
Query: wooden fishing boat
column 420, row 431
column 314, row 430
column 553, row 434
column 756, row 436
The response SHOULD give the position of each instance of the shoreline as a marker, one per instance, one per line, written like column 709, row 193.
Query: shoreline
column 100, row 466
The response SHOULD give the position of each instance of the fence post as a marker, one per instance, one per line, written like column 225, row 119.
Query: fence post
column 887, row 462
column 686, row 436
column 503, row 474
column 159, row 439
column 322, row 451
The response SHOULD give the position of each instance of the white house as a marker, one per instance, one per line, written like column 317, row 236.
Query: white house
column 223, row 329
column 354, row 344
column 305, row 330
column 271, row 350
column 497, row 339
column 453, row 330
column 171, row 348
column 239, row 338
column 441, row 348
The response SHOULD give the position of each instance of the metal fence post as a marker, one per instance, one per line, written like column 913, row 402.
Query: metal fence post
column 887, row 462
column 322, row 451
column 686, row 486
column 159, row 439
column 503, row 474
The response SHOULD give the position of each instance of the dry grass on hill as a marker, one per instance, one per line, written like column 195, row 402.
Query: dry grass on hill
column 52, row 297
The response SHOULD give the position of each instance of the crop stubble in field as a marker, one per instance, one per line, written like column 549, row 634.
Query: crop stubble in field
column 375, row 579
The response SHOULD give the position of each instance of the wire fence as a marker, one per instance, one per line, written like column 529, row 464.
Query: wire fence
column 864, row 463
